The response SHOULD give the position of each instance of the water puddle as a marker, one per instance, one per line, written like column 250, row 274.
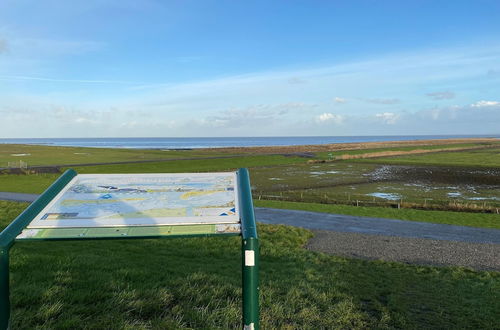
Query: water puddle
column 388, row 196
column 323, row 172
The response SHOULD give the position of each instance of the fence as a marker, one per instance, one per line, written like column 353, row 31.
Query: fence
column 18, row 164
column 363, row 200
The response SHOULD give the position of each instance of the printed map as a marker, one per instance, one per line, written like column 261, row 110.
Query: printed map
column 142, row 200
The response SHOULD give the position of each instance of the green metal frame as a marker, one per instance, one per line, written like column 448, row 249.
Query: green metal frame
column 250, row 253
column 250, row 245
column 9, row 234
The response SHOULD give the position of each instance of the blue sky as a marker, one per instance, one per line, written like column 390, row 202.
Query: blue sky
column 248, row 68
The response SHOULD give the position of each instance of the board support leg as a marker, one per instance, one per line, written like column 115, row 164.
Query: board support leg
column 250, row 270
column 4, row 288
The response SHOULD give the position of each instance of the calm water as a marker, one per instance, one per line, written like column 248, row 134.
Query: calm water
column 220, row 142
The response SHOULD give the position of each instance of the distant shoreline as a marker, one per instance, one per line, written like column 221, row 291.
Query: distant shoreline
column 238, row 142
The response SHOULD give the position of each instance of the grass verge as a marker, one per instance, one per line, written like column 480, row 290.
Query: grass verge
column 195, row 283
column 444, row 217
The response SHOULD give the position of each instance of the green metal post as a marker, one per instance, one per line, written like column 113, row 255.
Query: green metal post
column 4, row 289
column 9, row 234
column 250, row 270
column 250, row 253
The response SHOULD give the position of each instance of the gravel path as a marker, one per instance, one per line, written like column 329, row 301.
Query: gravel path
column 394, row 240
column 17, row 197
column 377, row 226
column 421, row 251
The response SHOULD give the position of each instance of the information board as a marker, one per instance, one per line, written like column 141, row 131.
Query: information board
column 130, row 206
column 113, row 200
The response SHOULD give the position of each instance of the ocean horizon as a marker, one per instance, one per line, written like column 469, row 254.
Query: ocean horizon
column 222, row 142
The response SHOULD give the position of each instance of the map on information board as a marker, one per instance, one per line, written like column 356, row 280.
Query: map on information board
column 110, row 200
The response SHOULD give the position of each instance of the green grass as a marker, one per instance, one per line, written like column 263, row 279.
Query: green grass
column 198, row 165
column 326, row 155
column 444, row 217
column 348, row 181
column 30, row 184
column 195, row 283
column 36, row 184
column 52, row 155
column 473, row 158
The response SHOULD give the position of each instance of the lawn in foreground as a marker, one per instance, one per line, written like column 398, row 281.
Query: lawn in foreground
column 195, row 283
column 482, row 220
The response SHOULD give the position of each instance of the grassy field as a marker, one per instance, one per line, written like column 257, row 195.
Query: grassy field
column 30, row 184
column 473, row 158
column 36, row 155
column 444, row 217
column 38, row 183
column 329, row 155
column 195, row 283
column 379, row 184
column 198, row 165
column 292, row 178
column 52, row 155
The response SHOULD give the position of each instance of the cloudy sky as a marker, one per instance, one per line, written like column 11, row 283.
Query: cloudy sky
column 248, row 68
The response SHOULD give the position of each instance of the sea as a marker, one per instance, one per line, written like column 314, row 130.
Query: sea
column 221, row 142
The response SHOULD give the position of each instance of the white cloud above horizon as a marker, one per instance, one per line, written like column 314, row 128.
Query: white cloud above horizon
column 480, row 104
column 329, row 117
column 388, row 117
column 263, row 103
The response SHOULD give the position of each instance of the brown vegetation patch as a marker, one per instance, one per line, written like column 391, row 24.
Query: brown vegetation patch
column 402, row 153
column 353, row 146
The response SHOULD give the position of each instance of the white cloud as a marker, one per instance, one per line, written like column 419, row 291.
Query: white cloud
column 481, row 104
column 83, row 120
column 305, row 105
column 383, row 101
column 258, row 116
column 441, row 95
column 329, row 117
column 388, row 117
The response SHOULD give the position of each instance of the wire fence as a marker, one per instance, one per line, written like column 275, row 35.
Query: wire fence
column 373, row 201
column 17, row 164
